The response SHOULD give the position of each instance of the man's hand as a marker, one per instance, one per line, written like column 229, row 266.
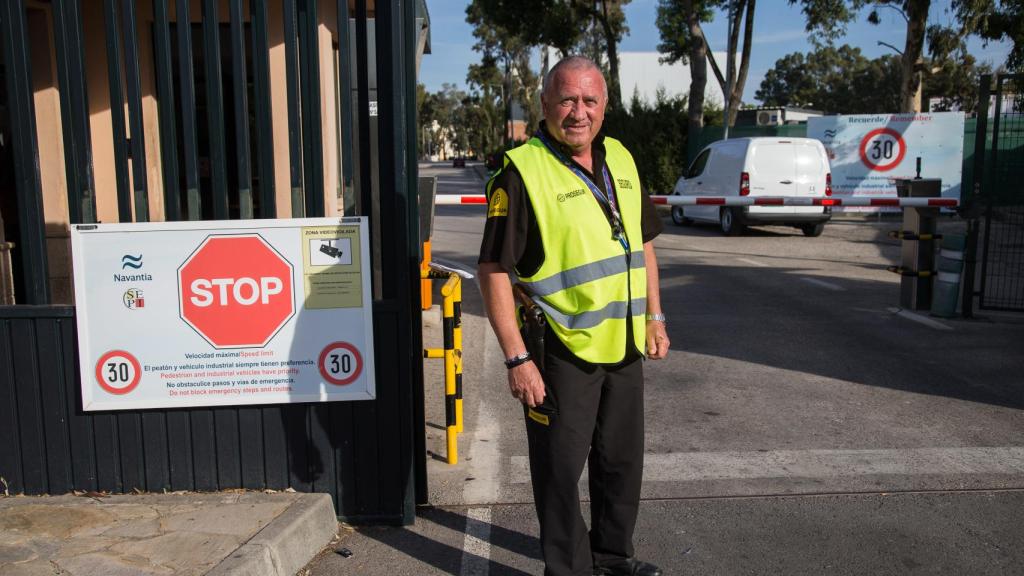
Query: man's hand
column 657, row 340
column 526, row 384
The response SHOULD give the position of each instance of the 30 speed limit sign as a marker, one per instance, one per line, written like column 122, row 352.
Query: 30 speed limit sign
column 882, row 149
column 118, row 372
column 340, row 363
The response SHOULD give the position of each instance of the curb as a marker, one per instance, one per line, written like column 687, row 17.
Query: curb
column 288, row 543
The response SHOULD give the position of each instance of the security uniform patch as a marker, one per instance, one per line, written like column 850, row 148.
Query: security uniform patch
column 498, row 206
column 538, row 417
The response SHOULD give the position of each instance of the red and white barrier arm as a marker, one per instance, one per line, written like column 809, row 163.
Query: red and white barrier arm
column 458, row 199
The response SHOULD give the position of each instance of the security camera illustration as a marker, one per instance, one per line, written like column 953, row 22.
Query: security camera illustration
column 330, row 250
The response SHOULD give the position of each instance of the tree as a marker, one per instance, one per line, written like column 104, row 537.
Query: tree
column 831, row 16
column 833, row 80
column 484, row 101
column 504, row 44
column 989, row 19
column 595, row 26
column 610, row 19
column 682, row 38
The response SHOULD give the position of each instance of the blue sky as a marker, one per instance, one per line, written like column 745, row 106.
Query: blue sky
column 778, row 30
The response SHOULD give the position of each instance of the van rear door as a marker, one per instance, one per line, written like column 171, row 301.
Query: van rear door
column 772, row 168
column 772, row 173
column 811, row 168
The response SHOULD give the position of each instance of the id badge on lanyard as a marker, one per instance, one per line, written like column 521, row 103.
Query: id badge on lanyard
column 608, row 201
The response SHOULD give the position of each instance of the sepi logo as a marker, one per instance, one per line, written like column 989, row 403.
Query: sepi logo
column 133, row 299
column 129, row 261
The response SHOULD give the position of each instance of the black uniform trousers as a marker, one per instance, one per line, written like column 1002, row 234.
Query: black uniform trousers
column 593, row 414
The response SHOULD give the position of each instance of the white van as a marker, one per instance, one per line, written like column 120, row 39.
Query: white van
column 758, row 167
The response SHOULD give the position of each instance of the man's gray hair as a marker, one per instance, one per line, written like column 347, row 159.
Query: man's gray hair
column 572, row 63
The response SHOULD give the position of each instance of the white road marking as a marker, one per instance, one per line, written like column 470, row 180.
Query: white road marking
column 476, row 547
column 483, row 459
column 823, row 284
column 920, row 319
column 752, row 262
column 697, row 466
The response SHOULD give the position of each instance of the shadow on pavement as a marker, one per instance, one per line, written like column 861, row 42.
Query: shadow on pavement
column 449, row 559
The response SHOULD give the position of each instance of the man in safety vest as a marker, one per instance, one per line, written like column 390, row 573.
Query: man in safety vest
column 567, row 216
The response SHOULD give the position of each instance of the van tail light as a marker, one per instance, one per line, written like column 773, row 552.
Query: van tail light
column 744, row 184
column 828, row 184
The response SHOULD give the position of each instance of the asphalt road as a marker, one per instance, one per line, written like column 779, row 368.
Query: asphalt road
column 802, row 423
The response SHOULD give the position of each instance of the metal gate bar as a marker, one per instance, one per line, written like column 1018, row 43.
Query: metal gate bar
column 240, row 88
column 74, row 108
column 215, row 109
column 1002, row 271
column 261, row 95
column 291, row 51
column 14, row 46
column 124, row 200
column 140, row 180
column 168, row 120
column 190, row 144
column 312, row 137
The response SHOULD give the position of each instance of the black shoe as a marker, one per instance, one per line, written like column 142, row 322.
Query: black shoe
column 627, row 567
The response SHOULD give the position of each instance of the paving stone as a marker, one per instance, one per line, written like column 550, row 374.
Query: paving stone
column 181, row 552
column 145, row 528
column 234, row 519
column 33, row 568
column 11, row 553
column 53, row 521
column 108, row 564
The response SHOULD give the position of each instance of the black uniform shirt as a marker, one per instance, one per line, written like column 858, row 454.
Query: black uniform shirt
column 513, row 240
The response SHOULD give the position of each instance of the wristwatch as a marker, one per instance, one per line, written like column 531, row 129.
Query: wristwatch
column 656, row 317
column 516, row 360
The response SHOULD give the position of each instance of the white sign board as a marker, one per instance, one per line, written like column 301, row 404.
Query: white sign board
column 869, row 152
column 179, row 314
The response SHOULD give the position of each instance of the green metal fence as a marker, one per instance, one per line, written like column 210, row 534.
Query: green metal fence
column 217, row 162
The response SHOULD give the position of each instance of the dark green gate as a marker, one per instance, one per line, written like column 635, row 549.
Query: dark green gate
column 998, row 198
column 213, row 93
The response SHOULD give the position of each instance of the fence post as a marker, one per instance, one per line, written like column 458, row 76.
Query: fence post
column 973, row 203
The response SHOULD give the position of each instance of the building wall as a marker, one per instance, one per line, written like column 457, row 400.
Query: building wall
column 51, row 150
column 48, row 119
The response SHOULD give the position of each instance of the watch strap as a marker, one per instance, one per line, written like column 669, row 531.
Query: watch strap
column 517, row 360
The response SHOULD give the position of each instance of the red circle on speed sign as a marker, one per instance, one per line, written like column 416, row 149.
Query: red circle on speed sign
column 887, row 149
column 236, row 291
column 118, row 372
column 340, row 363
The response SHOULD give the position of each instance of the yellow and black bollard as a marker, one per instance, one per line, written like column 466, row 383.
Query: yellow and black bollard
column 451, row 361
column 451, row 313
column 457, row 333
column 908, row 272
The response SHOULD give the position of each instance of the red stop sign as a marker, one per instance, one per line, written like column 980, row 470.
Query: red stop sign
column 236, row 291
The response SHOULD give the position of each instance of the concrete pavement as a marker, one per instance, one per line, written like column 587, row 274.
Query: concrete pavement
column 220, row 534
column 801, row 425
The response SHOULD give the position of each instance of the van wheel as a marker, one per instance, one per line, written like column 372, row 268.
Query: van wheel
column 679, row 217
column 813, row 230
column 730, row 223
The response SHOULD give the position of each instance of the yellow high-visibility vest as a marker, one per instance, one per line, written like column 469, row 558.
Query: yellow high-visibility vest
column 588, row 285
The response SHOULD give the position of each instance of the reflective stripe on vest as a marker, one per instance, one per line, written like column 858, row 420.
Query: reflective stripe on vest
column 586, row 285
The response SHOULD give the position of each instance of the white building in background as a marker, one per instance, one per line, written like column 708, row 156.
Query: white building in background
column 643, row 73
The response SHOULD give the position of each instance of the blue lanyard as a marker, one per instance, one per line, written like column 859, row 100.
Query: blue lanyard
column 605, row 200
